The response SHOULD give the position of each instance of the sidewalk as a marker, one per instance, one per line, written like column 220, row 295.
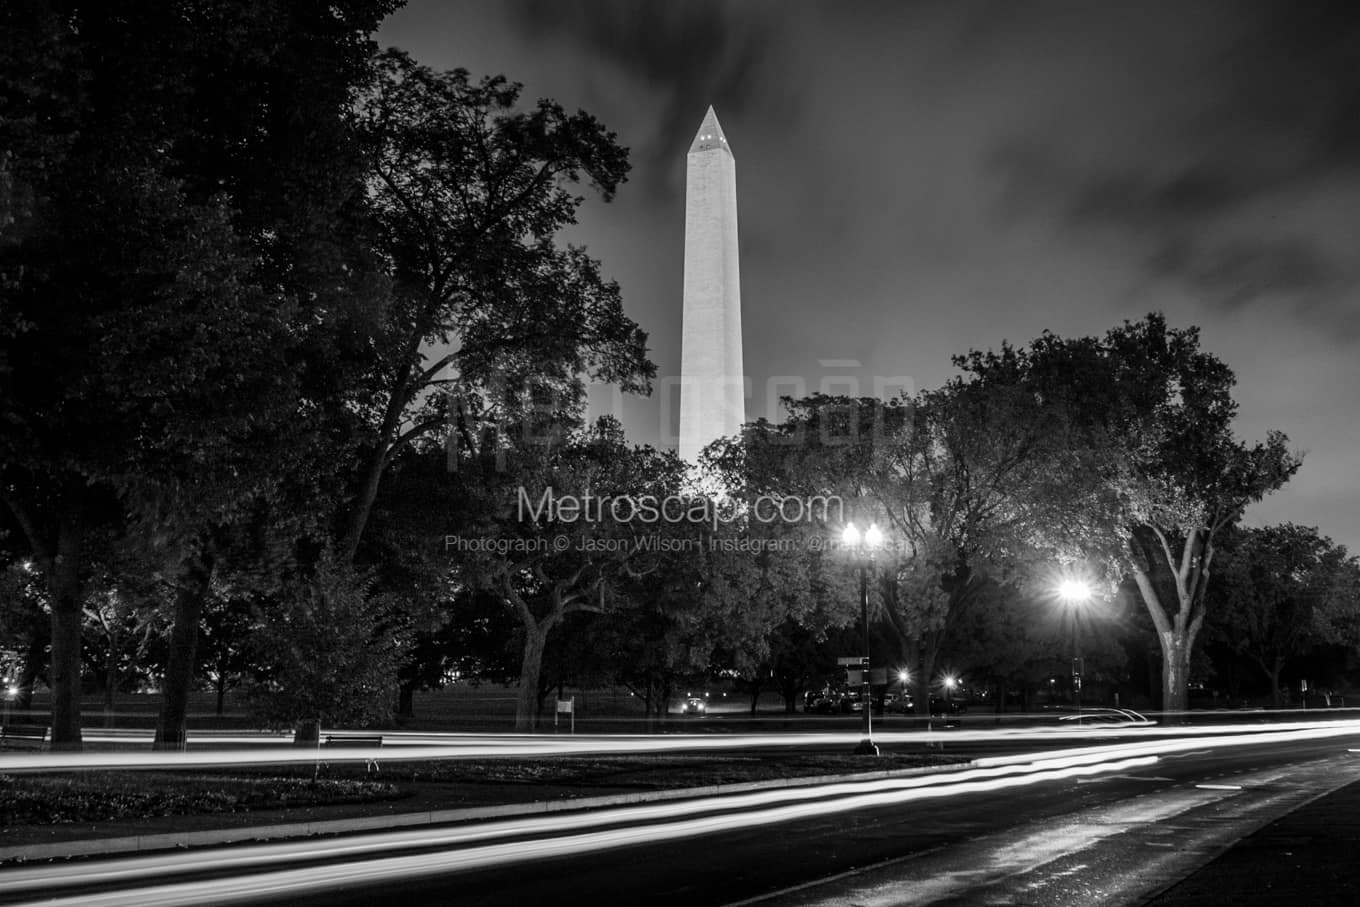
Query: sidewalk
column 1310, row 856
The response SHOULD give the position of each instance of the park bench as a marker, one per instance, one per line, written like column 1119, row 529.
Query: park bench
column 348, row 740
column 23, row 737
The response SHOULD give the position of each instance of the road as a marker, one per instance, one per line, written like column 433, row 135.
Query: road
column 1106, row 827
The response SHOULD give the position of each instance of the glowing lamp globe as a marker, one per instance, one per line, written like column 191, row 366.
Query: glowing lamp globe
column 1074, row 590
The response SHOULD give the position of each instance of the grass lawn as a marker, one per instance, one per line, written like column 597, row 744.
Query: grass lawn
column 107, row 796
column 53, row 799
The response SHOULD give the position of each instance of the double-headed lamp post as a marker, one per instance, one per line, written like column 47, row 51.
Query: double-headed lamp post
column 863, row 546
column 1076, row 594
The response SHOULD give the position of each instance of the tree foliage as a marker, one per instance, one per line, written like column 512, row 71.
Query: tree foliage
column 1157, row 473
column 1281, row 590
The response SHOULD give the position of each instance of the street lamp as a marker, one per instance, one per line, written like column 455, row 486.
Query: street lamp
column 863, row 546
column 1076, row 594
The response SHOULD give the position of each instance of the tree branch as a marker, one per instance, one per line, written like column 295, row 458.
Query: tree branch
column 41, row 550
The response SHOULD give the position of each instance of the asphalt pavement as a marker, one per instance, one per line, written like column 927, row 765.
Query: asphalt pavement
column 1309, row 856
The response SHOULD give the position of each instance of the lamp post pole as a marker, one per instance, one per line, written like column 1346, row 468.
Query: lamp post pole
column 1078, row 675
column 866, row 746
column 1077, row 594
column 863, row 547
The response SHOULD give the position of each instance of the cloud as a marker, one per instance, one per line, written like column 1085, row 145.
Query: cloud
column 1231, row 169
column 680, row 56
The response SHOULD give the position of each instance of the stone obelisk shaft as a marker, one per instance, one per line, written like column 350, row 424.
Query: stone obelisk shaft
column 713, row 380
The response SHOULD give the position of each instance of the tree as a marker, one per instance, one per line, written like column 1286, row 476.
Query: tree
column 1278, row 589
column 468, row 194
column 25, row 625
column 121, row 633
column 152, row 166
column 954, row 476
column 547, row 564
column 223, row 644
column 1154, row 474
column 317, row 674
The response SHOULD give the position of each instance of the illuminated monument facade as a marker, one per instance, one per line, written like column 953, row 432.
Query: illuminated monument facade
column 712, row 378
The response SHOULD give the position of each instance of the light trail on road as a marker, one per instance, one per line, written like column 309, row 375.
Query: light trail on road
column 412, row 747
column 670, row 821
column 258, row 868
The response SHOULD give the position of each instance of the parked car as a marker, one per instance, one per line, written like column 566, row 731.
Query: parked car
column 893, row 702
column 818, row 702
column 947, row 707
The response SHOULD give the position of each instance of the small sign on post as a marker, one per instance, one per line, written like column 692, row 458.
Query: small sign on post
column 565, row 707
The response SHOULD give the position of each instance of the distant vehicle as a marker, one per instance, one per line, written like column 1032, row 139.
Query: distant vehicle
column 947, row 707
column 850, row 701
column 694, row 706
column 892, row 702
column 831, row 702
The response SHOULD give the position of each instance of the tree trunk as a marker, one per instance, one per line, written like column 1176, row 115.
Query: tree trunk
column 308, row 733
column 526, row 702
column 921, row 677
column 357, row 519
column 221, row 686
column 1274, row 674
column 663, row 708
column 790, row 692
column 68, row 598
column 1175, row 671
column 110, row 679
column 179, row 670
column 406, row 701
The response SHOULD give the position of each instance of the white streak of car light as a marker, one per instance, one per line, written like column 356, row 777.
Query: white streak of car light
column 254, row 856
column 274, row 750
column 282, row 882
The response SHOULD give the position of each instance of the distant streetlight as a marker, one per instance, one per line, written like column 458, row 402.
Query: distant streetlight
column 1077, row 594
column 863, row 546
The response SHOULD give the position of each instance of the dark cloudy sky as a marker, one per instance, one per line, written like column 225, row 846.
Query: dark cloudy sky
column 918, row 179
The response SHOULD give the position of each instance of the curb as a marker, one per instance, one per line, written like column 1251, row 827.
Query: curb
column 214, row 836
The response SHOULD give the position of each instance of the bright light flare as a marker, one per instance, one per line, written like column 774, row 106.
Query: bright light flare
column 871, row 538
column 1074, row 590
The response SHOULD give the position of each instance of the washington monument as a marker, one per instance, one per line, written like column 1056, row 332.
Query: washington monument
column 712, row 379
